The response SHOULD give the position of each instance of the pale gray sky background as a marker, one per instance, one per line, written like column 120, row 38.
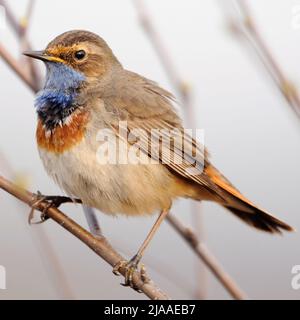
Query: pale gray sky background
column 250, row 132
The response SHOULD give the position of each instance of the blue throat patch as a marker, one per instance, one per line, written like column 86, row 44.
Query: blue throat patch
column 57, row 100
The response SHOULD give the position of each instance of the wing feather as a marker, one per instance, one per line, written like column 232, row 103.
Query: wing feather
column 149, row 109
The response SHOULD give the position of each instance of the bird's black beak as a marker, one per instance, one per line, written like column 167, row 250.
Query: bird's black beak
column 41, row 55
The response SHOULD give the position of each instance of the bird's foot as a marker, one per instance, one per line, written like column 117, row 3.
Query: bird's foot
column 53, row 202
column 131, row 267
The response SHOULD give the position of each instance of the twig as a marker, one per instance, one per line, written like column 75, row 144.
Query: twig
column 98, row 244
column 160, row 48
column 26, row 19
column 18, row 69
column 25, row 45
column 20, row 28
column 211, row 262
column 11, row 18
column 246, row 26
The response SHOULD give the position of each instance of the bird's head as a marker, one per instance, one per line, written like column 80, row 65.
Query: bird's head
column 76, row 61
column 76, row 55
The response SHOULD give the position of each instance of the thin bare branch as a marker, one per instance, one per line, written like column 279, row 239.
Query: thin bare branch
column 211, row 262
column 27, row 17
column 25, row 45
column 20, row 29
column 160, row 48
column 12, row 20
column 98, row 244
column 18, row 26
column 18, row 69
column 243, row 24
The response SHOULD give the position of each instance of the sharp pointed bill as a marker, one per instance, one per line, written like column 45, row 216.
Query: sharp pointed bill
column 41, row 55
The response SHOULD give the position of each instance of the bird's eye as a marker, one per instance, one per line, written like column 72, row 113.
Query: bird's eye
column 79, row 55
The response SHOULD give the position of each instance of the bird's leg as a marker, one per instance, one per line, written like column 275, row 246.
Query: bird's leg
column 132, row 265
column 53, row 201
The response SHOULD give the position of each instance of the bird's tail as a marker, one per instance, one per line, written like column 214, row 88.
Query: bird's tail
column 261, row 220
column 243, row 208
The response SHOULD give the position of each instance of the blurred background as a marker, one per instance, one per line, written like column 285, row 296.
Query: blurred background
column 250, row 131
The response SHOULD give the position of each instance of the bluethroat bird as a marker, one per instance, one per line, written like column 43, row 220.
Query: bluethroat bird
column 87, row 90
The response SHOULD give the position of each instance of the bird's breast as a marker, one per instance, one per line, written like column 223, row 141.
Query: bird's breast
column 63, row 137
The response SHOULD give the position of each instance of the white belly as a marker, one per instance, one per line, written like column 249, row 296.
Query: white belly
column 112, row 188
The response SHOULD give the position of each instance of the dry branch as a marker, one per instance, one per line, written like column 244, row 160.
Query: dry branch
column 11, row 18
column 211, row 262
column 244, row 25
column 98, row 244
column 18, row 69
column 20, row 28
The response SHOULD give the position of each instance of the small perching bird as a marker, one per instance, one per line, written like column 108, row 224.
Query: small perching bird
column 87, row 91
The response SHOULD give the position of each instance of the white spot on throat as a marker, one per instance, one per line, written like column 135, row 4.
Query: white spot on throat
column 66, row 122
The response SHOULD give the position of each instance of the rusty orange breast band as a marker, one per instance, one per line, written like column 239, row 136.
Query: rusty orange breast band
column 64, row 137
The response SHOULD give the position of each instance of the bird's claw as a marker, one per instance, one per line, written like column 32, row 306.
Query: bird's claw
column 37, row 199
column 131, row 267
column 53, row 201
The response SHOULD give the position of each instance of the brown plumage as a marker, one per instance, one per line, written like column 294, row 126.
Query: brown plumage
column 152, row 110
column 85, row 81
